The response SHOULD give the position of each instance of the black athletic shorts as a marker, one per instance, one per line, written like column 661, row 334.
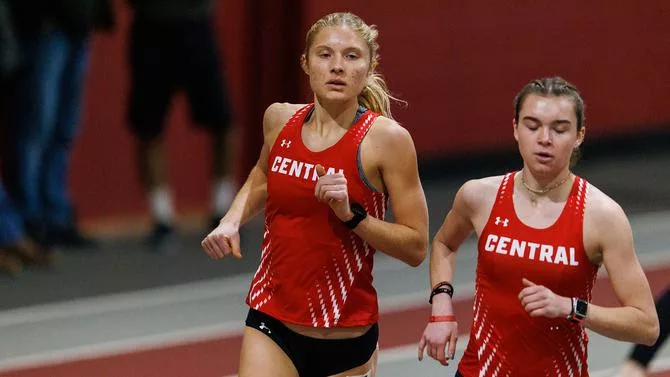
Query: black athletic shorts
column 167, row 57
column 314, row 357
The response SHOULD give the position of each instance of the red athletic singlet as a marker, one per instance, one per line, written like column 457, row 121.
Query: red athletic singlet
column 314, row 271
column 504, row 339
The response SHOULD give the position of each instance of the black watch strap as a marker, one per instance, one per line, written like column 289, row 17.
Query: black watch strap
column 359, row 214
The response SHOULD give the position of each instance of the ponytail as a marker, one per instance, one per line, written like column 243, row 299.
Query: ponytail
column 376, row 96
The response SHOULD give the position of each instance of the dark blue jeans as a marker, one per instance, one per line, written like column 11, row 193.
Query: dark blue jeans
column 48, row 108
column 11, row 226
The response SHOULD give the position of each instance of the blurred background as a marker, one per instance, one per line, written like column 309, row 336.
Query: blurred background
column 457, row 64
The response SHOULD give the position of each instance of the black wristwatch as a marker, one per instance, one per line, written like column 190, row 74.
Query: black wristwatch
column 578, row 312
column 359, row 214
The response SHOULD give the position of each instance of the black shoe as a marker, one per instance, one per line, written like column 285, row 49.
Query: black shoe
column 38, row 231
column 70, row 236
column 161, row 236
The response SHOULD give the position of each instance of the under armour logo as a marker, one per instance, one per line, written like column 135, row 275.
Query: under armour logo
column 286, row 143
column 501, row 221
column 263, row 327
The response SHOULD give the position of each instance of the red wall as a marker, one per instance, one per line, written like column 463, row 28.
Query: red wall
column 458, row 64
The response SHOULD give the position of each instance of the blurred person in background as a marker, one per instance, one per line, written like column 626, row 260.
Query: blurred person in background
column 9, row 50
column 543, row 234
column 16, row 247
column 325, row 175
column 9, row 61
column 637, row 363
column 54, row 39
column 173, row 47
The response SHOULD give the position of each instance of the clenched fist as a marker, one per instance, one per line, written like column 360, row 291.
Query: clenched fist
column 540, row 301
column 332, row 190
column 223, row 241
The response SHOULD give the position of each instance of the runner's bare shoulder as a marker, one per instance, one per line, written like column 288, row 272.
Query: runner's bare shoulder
column 479, row 194
column 275, row 118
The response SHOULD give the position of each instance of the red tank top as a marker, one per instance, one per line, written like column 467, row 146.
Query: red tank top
column 314, row 271
column 504, row 339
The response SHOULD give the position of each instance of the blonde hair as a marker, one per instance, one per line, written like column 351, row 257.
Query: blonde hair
column 375, row 96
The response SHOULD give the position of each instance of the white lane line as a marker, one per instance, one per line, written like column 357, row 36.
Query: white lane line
column 159, row 341
column 215, row 289
column 183, row 293
column 211, row 289
column 126, row 346
column 147, row 298
column 238, row 285
column 232, row 328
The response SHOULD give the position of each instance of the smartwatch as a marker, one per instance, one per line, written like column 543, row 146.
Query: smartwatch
column 579, row 309
column 359, row 214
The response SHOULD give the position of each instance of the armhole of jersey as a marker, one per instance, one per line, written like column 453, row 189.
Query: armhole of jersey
column 369, row 117
column 501, row 195
column 580, row 207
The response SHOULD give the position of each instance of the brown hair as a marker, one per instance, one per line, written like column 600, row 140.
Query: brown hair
column 556, row 87
column 375, row 96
